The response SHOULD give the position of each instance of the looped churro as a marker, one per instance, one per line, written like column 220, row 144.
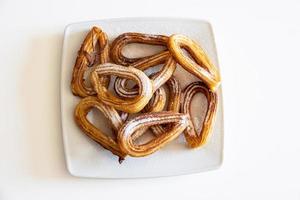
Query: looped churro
column 193, row 139
column 94, row 50
column 81, row 111
column 146, row 120
column 133, row 105
column 127, row 38
column 203, row 68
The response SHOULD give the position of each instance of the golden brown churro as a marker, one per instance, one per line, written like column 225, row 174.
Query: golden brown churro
column 94, row 50
column 193, row 139
column 80, row 115
column 127, row 38
column 133, row 105
column 146, row 120
column 203, row 68
column 142, row 63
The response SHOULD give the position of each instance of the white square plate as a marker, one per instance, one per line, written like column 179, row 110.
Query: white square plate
column 85, row 158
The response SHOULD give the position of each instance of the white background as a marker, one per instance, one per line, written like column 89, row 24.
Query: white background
column 259, row 53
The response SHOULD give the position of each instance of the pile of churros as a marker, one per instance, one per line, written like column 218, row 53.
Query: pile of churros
column 165, row 116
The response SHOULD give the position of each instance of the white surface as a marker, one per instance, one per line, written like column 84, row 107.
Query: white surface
column 258, row 48
column 85, row 158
